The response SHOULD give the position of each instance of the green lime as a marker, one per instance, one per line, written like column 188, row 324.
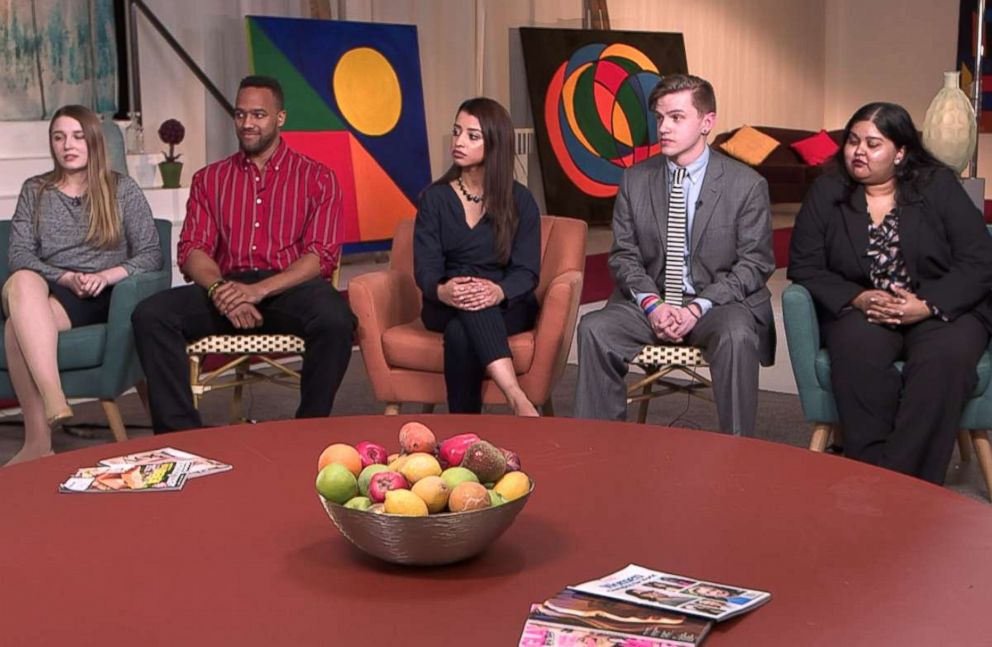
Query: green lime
column 455, row 475
column 336, row 483
column 359, row 503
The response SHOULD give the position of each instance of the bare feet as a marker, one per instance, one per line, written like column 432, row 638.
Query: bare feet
column 29, row 454
column 523, row 407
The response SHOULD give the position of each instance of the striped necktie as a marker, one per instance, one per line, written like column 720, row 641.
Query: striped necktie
column 675, row 248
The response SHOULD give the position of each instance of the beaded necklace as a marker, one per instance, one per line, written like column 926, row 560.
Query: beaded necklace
column 468, row 196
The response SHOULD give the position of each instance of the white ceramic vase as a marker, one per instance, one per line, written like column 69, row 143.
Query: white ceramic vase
column 950, row 130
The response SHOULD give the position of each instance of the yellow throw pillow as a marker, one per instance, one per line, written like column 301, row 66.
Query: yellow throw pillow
column 749, row 145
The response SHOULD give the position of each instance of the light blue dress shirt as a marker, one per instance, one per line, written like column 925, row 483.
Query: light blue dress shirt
column 692, row 185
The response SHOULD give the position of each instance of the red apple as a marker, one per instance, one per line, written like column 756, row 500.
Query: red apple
column 383, row 482
column 453, row 449
column 371, row 453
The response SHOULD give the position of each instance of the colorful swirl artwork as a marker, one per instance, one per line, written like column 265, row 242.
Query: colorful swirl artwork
column 597, row 115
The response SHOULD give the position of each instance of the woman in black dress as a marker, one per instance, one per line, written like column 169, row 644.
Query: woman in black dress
column 477, row 258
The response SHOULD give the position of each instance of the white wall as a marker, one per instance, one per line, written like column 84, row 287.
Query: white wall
column 887, row 50
column 213, row 33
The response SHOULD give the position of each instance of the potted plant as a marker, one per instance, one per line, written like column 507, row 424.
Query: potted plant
column 171, row 132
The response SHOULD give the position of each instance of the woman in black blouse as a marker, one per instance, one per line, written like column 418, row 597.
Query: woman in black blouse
column 899, row 264
column 477, row 258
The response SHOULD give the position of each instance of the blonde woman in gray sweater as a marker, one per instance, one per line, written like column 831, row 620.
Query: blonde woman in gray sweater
column 77, row 231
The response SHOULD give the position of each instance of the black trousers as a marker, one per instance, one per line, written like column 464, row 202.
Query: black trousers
column 472, row 341
column 165, row 322
column 906, row 422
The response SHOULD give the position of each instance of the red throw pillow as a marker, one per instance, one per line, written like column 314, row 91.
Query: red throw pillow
column 816, row 149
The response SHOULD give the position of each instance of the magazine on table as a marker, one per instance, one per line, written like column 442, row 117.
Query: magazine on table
column 152, row 477
column 199, row 466
column 573, row 618
column 678, row 593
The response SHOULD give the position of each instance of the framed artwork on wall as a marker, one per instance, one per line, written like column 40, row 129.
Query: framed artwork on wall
column 589, row 97
column 354, row 101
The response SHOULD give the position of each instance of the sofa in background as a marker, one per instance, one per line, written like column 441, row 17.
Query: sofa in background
column 788, row 176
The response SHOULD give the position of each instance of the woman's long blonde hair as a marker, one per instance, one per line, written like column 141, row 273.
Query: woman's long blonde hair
column 105, row 228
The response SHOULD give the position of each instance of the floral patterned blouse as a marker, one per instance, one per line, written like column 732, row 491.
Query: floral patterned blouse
column 887, row 264
column 888, row 267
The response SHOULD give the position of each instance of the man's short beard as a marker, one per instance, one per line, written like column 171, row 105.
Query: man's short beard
column 260, row 145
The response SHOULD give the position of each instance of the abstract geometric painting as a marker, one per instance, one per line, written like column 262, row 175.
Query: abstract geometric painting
column 354, row 101
column 589, row 97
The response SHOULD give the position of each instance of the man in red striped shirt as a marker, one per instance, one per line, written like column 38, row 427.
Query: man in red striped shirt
column 260, row 242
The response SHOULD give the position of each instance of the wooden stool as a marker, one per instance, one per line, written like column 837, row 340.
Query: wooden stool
column 660, row 361
column 243, row 348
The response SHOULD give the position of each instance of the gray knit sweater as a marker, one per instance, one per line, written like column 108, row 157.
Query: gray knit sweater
column 56, row 241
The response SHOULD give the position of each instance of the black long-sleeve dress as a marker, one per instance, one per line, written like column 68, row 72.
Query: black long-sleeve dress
column 444, row 246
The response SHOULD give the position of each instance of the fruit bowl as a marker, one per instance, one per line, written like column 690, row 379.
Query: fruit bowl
column 424, row 541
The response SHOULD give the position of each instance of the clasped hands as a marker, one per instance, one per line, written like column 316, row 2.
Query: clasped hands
column 470, row 293
column 236, row 301
column 84, row 285
column 673, row 323
column 898, row 308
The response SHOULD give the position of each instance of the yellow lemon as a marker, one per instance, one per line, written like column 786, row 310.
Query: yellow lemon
column 513, row 485
column 406, row 503
column 434, row 491
column 419, row 465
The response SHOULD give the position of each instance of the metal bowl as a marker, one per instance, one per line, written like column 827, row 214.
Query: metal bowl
column 442, row 538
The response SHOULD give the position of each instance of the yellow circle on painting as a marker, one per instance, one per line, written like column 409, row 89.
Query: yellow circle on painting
column 368, row 91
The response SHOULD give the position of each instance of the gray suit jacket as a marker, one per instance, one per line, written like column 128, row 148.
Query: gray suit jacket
column 731, row 254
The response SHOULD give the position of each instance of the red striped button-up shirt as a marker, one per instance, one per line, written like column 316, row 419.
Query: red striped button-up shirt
column 249, row 219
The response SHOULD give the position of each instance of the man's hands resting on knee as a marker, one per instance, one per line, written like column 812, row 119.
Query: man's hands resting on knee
column 236, row 301
column 672, row 323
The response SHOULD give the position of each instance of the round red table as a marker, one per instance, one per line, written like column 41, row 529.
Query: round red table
column 852, row 555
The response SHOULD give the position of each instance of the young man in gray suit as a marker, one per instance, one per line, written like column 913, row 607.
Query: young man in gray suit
column 692, row 251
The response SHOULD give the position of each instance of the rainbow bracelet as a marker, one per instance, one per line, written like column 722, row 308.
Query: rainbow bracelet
column 649, row 303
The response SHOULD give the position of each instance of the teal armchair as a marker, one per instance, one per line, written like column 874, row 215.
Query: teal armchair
column 99, row 361
column 811, row 366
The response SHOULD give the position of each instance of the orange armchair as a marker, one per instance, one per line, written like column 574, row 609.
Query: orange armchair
column 405, row 361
